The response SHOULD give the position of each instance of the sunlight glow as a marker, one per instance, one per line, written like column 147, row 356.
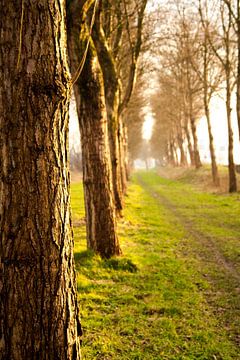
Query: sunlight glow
column 147, row 126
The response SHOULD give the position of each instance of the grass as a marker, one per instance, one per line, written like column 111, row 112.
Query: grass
column 160, row 300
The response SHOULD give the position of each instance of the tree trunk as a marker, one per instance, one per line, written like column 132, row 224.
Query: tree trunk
column 112, row 96
column 171, row 154
column 91, row 108
column 207, row 94
column 38, row 308
column 231, row 165
column 122, row 156
column 214, row 167
column 189, row 143
column 183, row 159
column 126, row 157
column 114, row 143
column 175, row 154
column 107, row 50
column 196, row 154
column 238, row 65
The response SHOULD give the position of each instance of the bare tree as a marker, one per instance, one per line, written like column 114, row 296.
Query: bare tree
column 210, row 76
column 180, row 87
column 234, row 9
column 225, row 53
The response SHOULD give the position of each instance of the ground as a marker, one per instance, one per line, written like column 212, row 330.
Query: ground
column 175, row 292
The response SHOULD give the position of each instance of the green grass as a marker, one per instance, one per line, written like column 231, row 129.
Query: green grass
column 156, row 301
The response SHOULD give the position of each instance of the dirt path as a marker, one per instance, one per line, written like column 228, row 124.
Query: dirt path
column 189, row 226
column 205, row 248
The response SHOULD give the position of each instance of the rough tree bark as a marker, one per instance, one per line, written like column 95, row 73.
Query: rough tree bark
column 112, row 97
column 38, row 307
column 91, row 108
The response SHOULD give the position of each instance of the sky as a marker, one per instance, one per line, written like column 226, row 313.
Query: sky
column 220, row 133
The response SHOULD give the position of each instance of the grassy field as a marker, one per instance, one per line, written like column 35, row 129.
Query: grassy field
column 175, row 292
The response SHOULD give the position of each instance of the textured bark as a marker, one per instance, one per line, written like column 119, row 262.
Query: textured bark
column 97, row 180
column 112, row 96
column 38, row 307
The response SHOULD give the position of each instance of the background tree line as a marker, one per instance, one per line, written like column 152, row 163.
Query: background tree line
column 198, row 52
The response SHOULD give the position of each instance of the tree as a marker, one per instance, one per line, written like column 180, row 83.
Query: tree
column 91, row 108
column 191, row 86
column 38, row 310
column 168, row 129
column 119, row 68
column 134, row 119
column 234, row 9
column 225, row 53
column 210, row 75
column 179, row 93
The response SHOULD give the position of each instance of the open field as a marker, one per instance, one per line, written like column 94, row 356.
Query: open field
column 175, row 292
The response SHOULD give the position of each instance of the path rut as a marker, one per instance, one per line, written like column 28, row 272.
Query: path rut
column 226, row 267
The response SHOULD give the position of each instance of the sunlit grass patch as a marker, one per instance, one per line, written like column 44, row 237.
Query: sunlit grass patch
column 151, row 302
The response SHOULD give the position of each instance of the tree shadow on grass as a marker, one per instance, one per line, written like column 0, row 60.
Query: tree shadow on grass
column 84, row 258
column 88, row 258
column 122, row 264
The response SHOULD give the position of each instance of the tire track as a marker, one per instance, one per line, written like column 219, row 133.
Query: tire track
column 227, row 313
column 207, row 241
